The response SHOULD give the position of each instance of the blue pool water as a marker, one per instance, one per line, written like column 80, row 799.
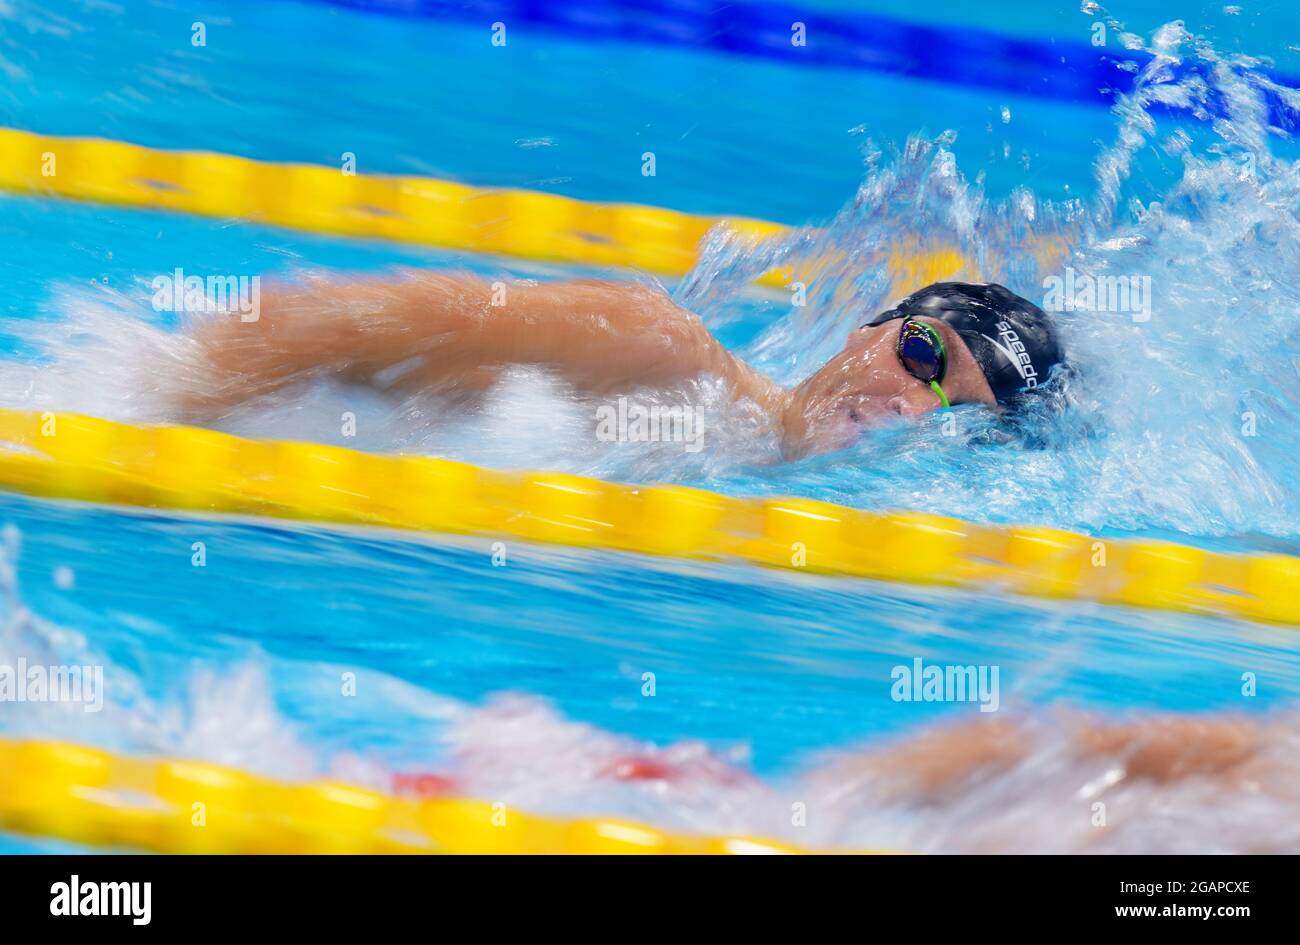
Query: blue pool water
column 525, row 682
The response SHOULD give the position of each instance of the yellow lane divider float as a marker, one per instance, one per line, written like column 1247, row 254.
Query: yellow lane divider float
column 78, row 457
column 85, row 795
column 520, row 223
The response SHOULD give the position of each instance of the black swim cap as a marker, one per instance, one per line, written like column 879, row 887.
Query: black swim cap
column 1012, row 339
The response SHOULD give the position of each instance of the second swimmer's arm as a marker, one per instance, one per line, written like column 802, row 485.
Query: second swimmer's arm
column 445, row 330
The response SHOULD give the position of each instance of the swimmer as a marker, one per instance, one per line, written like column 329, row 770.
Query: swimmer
column 950, row 343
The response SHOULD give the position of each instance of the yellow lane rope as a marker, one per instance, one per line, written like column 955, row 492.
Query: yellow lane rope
column 520, row 223
column 86, row 458
column 85, row 795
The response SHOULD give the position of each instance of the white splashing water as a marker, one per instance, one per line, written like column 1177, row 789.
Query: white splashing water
column 1184, row 411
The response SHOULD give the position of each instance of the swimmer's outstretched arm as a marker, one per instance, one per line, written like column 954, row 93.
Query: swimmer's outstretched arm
column 455, row 331
column 1161, row 748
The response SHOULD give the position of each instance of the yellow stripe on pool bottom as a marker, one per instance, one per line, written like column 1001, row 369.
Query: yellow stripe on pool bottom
column 76, row 457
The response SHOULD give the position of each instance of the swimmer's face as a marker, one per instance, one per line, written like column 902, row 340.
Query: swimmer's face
column 865, row 385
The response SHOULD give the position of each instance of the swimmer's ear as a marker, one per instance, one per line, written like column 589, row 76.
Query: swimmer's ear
column 1048, row 420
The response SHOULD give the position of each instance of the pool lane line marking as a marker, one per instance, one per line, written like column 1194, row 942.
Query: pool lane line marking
column 518, row 223
column 962, row 56
column 97, row 798
column 68, row 456
column 524, row 224
column 321, row 199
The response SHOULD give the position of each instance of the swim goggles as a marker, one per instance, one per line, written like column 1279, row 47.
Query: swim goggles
column 920, row 350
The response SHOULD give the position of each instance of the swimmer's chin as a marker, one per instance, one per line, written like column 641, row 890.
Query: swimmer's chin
column 839, row 432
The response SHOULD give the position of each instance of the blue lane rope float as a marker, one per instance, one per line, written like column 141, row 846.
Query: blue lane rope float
column 963, row 56
column 85, row 458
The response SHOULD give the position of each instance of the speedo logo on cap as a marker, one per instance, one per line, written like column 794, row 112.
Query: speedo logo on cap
column 1013, row 349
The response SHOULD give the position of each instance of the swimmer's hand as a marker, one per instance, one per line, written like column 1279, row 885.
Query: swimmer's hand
column 450, row 331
